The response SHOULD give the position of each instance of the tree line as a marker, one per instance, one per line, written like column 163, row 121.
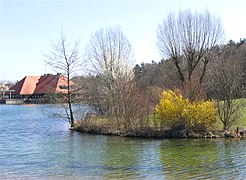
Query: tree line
column 195, row 61
column 224, row 80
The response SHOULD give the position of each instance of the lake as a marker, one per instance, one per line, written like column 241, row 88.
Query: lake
column 36, row 144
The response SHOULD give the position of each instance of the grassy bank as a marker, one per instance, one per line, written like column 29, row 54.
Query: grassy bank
column 241, row 121
column 107, row 126
column 152, row 127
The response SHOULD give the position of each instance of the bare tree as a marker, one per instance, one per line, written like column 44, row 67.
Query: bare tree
column 188, row 40
column 64, row 57
column 110, row 53
column 111, row 59
column 226, row 85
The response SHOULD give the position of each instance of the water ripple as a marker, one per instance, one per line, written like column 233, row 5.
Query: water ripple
column 35, row 146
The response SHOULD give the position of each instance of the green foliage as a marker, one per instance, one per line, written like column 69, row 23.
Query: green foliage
column 176, row 111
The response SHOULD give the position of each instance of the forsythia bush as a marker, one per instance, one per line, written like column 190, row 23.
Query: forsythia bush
column 175, row 110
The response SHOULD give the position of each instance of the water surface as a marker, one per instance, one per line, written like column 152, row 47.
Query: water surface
column 37, row 145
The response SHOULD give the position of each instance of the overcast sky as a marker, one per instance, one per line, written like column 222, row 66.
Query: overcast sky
column 28, row 27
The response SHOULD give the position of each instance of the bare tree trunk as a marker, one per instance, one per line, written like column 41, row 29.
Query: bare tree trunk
column 65, row 57
column 225, row 85
column 70, row 101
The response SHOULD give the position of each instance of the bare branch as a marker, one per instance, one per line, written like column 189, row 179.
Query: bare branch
column 65, row 58
column 188, row 39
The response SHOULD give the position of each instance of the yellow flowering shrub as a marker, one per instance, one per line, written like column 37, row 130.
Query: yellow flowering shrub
column 175, row 110
column 170, row 108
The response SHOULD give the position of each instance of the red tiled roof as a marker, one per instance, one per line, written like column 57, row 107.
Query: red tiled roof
column 41, row 85
column 46, row 84
column 26, row 86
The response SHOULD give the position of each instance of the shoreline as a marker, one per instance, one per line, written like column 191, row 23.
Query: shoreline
column 86, row 127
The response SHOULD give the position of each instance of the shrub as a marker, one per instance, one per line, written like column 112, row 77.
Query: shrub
column 176, row 111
